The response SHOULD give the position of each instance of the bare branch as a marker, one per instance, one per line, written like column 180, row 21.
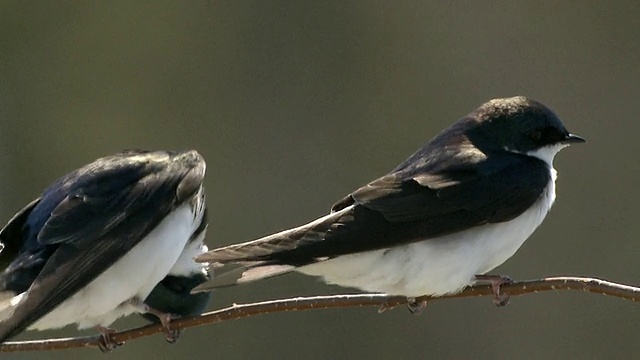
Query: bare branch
column 235, row 311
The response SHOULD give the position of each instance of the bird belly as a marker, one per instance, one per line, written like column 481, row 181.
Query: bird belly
column 134, row 275
column 437, row 266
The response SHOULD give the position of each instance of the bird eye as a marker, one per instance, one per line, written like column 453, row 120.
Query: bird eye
column 536, row 135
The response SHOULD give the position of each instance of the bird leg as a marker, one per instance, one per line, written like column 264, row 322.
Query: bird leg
column 416, row 306
column 170, row 335
column 107, row 345
column 500, row 299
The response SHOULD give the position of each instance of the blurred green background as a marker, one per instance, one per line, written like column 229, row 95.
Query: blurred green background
column 294, row 104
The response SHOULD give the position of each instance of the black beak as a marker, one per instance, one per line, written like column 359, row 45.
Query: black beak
column 573, row 139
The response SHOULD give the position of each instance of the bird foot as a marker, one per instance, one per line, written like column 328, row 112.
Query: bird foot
column 500, row 299
column 386, row 306
column 416, row 306
column 383, row 307
column 107, row 344
column 171, row 336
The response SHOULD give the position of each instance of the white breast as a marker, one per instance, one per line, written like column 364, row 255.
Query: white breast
column 436, row 266
column 133, row 276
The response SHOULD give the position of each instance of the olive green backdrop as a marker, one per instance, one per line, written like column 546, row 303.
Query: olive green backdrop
column 294, row 104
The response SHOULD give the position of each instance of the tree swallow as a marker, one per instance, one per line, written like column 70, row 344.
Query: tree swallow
column 92, row 247
column 458, row 207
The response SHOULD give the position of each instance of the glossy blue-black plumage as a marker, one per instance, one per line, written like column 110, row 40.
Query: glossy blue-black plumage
column 473, row 173
column 87, row 220
column 101, row 178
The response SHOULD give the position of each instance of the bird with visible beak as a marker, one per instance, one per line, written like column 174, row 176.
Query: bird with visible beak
column 442, row 219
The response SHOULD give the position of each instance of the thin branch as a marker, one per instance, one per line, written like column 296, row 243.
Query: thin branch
column 237, row 311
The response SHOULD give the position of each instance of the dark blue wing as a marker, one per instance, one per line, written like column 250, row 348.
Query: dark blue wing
column 405, row 206
column 89, row 219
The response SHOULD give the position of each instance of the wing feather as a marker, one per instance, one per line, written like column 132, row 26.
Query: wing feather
column 100, row 212
column 403, row 207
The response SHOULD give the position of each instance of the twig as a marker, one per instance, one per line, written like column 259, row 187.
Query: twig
column 236, row 311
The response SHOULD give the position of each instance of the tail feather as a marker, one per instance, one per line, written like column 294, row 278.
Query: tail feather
column 266, row 257
column 260, row 249
column 244, row 274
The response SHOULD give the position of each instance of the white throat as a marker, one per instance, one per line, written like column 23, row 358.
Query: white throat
column 546, row 153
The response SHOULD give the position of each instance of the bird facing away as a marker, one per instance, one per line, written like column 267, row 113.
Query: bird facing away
column 92, row 247
column 171, row 297
column 458, row 207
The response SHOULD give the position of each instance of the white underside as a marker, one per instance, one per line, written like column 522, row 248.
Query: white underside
column 443, row 265
column 186, row 265
column 106, row 298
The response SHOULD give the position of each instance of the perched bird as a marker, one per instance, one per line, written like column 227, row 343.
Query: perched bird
column 458, row 207
column 92, row 247
column 171, row 297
